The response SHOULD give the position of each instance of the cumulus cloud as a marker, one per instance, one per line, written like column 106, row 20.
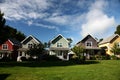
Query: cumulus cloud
column 83, row 15
column 96, row 21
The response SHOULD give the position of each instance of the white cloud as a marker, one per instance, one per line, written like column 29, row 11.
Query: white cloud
column 24, row 9
column 30, row 22
column 97, row 22
column 61, row 20
column 94, row 21
column 47, row 26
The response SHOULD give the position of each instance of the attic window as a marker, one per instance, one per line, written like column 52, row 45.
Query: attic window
column 118, row 44
column 5, row 47
column 59, row 44
column 30, row 45
column 88, row 44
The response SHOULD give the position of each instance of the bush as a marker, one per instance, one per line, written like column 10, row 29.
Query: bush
column 23, row 58
column 106, row 57
column 113, row 57
column 5, row 59
column 92, row 58
column 50, row 58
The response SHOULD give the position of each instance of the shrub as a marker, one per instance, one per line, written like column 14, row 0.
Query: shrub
column 113, row 57
column 23, row 58
column 106, row 57
column 50, row 58
column 5, row 59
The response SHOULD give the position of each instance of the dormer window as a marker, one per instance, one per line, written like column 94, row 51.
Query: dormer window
column 59, row 44
column 88, row 44
column 5, row 46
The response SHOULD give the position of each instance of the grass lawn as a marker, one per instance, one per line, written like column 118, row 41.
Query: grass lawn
column 91, row 70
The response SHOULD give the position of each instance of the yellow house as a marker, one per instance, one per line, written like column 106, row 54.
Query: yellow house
column 108, row 43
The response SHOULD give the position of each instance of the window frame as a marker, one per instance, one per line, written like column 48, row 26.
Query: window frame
column 88, row 44
column 4, row 46
column 59, row 45
column 30, row 46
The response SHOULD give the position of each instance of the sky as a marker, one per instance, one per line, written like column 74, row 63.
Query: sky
column 74, row 19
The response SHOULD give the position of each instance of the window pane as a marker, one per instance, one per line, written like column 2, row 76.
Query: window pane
column 89, row 44
column 29, row 45
column 59, row 44
column 5, row 46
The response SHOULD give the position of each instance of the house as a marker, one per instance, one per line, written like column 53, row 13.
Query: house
column 60, row 47
column 91, row 46
column 27, row 43
column 9, row 48
column 108, row 43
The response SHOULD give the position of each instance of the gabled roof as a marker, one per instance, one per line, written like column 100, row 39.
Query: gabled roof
column 29, row 37
column 109, row 39
column 14, row 41
column 58, row 37
column 86, row 37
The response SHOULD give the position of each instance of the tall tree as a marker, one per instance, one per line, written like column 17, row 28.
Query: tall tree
column 2, row 28
column 8, row 32
column 117, row 30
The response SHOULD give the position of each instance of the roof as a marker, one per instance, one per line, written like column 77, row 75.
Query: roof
column 93, row 48
column 29, row 37
column 54, row 48
column 14, row 41
column 109, row 39
column 85, row 38
column 23, row 49
column 58, row 37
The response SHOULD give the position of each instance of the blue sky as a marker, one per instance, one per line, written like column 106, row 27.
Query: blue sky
column 74, row 19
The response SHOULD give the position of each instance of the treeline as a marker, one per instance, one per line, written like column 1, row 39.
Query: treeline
column 7, row 31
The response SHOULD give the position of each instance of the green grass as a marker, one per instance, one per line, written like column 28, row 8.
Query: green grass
column 91, row 70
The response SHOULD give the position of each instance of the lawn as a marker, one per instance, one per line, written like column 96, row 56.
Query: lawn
column 91, row 70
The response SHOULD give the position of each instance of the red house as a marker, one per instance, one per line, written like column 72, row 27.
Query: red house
column 9, row 48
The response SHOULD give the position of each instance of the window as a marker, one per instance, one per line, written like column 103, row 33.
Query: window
column 59, row 44
column 89, row 44
column 59, row 53
column 30, row 45
column 118, row 44
column 5, row 47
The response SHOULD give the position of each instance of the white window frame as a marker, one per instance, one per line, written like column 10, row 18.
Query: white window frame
column 30, row 45
column 86, row 44
column 59, row 45
column 3, row 48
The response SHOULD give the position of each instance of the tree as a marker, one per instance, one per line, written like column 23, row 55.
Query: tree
column 117, row 30
column 70, row 41
column 79, row 51
column 115, row 49
column 37, row 50
column 2, row 30
column 7, row 32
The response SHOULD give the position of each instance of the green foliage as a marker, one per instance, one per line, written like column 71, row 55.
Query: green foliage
column 8, row 31
column 113, row 57
column 48, row 57
column 36, row 50
column 117, row 30
column 79, row 51
column 115, row 49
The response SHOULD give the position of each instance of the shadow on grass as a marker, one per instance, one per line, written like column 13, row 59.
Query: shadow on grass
column 45, row 63
column 4, row 76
